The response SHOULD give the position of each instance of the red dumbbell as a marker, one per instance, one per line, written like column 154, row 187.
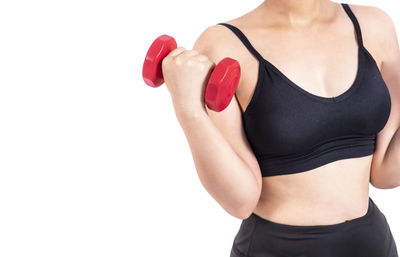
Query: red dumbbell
column 220, row 87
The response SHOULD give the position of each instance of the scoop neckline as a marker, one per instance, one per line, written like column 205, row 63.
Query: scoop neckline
column 330, row 99
column 321, row 99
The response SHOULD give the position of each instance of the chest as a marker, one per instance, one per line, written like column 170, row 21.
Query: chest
column 284, row 118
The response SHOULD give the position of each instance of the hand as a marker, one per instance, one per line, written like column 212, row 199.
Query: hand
column 186, row 73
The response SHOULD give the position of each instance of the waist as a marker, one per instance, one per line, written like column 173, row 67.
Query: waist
column 269, row 225
column 327, row 195
column 313, row 212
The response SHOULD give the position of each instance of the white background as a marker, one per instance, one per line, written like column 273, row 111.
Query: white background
column 92, row 161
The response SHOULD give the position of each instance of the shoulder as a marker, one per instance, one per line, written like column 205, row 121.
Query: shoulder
column 374, row 13
column 212, row 40
column 374, row 18
column 218, row 41
column 377, row 26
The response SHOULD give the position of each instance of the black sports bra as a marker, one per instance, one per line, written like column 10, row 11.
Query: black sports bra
column 291, row 130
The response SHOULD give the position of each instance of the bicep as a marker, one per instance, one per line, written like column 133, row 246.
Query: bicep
column 213, row 44
column 229, row 123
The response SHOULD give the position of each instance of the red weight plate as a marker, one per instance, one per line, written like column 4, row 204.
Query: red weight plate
column 222, row 84
column 152, row 73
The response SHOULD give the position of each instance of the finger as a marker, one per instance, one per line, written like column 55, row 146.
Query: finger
column 201, row 58
column 190, row 53
column 176, row 51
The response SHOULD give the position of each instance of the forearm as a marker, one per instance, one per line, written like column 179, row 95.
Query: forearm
column 225, row 176
column 388, row 175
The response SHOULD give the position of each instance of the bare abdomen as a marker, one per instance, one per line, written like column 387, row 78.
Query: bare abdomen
column 329, row 194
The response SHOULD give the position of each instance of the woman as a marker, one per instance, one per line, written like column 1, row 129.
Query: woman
column 315, row 119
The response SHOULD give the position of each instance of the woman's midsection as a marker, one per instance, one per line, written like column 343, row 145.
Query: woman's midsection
column 326, row 195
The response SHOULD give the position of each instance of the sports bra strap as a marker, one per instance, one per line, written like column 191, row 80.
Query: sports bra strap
column 244, row 39
column 249, row 46
column 355, row 22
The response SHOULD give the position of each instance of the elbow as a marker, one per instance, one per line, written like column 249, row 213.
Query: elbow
column 244, row 210
column 381, row 178
column 245, row 214
column 385, row 184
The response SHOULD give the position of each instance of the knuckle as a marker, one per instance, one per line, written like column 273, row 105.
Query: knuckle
column 176, row 51
column 208, row 63
column 190, row 62
column 203, row 56
column 194, row 52
column 178, row 60
column 203, row 66
column 164, row 62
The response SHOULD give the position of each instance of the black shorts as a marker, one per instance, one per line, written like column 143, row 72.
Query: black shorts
column 365, row 236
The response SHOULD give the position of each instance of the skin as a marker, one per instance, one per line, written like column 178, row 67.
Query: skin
column 284, row 32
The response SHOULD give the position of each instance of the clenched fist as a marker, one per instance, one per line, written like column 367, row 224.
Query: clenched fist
column 186, row 73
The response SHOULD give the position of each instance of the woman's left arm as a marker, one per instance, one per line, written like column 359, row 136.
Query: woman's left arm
column 385, row 166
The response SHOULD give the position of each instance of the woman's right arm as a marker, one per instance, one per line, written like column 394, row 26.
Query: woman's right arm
column 225, row 163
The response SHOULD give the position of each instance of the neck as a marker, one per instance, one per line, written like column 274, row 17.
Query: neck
column 298, row 12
